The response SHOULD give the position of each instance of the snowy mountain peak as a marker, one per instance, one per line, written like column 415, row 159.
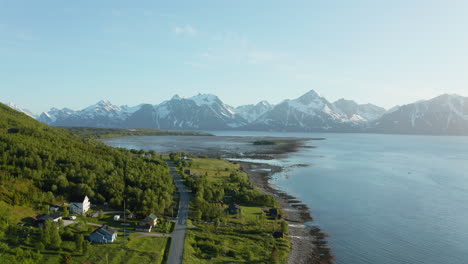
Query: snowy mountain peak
column 264, row 103
column 103, row 105
column 103, row 102
column 205, row 99
column 176, row 97
column 309, row 97
column 358, row 113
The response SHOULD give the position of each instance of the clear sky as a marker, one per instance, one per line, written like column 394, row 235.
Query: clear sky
column 74, row 53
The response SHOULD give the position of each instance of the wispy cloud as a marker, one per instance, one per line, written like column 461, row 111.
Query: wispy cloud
column 186, row 30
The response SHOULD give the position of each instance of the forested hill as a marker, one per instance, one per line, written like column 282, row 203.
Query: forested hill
column 41, row 164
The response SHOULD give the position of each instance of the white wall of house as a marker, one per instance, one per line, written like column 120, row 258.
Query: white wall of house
column 80, row 208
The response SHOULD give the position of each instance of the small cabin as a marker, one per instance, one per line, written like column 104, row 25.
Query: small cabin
column 54, row 217
column 116, row 217
column 143, row 228
column 151, row 220
column 131, row 216
column 278, row 234
column 234, row 209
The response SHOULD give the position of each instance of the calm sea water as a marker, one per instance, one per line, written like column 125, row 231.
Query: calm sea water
column 382, row 198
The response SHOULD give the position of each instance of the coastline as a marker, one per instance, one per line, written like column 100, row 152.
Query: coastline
column 309, row 244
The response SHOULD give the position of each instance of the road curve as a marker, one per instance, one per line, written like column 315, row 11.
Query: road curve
column 176, row 252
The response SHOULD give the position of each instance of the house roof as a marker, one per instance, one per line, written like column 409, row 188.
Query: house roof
column 105, row 229
column 82, row 200
column 50, row 216
column 151, row 217
column 143, row 227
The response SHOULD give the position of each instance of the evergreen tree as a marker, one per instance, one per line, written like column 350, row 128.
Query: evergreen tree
column 55, row 239
column 66, row 212
column 79, row 240
column 86, row 246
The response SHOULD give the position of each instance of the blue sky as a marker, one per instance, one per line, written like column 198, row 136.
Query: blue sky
column 74, row 53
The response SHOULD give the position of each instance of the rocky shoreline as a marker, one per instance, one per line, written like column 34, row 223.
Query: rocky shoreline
column 309, row 244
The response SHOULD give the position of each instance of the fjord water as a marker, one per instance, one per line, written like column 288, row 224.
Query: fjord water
column 382, row 198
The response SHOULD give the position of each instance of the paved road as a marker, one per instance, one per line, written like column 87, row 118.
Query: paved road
column 176, row 252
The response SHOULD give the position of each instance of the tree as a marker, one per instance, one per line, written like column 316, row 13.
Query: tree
column 101, row 214
column 275, row 256
column 55, row 239
column 284, row 227
column 66, row 212
column 217, row 223
column 79, row 243
column 3, row 248
column 40, row 246
column 85, row 247
column 45, row 233
column 67, row 259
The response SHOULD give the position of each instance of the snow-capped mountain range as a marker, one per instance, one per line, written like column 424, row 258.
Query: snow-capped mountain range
column 446, row 114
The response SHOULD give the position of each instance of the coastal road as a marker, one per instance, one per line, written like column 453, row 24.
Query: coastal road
column 176, row 252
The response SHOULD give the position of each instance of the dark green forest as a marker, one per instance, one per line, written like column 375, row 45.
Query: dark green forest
column 41, row 164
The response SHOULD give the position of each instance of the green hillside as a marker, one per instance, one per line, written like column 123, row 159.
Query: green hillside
column 42, row 165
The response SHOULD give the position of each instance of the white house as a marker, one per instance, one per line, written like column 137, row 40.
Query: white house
column 116, row 217
column 80, row 207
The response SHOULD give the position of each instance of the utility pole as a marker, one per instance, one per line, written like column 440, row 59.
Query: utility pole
column 125, row 223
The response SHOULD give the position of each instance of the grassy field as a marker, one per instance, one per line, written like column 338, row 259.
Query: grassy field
column 216, row 170
column 247, row 239
column 237, row 238
column 129, row 249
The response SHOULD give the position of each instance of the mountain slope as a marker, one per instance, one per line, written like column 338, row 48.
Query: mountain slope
column 359, row 113
column 251, row 112
column 309, row 112
column 443, row 115
column 203, row 111
column 101, row 114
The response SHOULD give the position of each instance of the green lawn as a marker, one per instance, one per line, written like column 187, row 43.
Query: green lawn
column 217, row 170
column 137, row 251
column 249, row 243
column 243, row 238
